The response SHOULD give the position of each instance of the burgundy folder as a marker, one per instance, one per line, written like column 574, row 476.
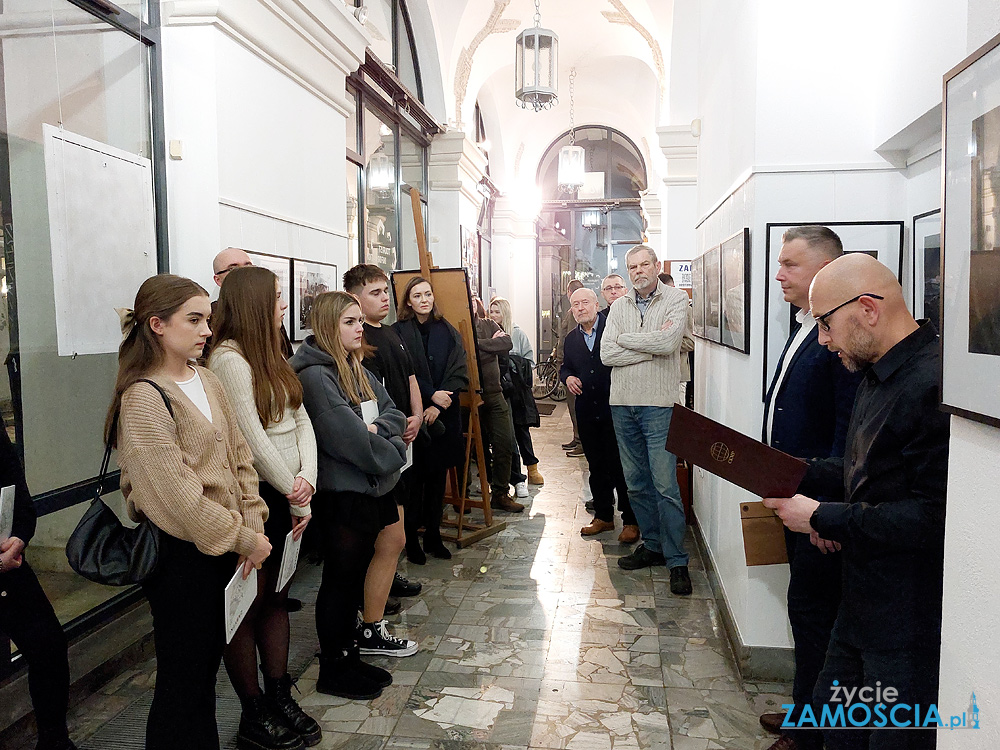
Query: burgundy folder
column 739, row 459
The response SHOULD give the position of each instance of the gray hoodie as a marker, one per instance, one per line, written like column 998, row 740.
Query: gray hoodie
column 351, row 458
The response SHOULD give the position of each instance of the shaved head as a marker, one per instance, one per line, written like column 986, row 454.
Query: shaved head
column 859, row 306
column 228, row 259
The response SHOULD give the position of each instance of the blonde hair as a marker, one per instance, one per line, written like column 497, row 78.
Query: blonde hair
column 506, row 320
column 327, row 310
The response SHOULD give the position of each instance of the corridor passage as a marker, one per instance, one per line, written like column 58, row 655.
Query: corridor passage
column 531, row 638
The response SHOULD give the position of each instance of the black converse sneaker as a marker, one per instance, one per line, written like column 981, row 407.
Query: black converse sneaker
column 375, row 638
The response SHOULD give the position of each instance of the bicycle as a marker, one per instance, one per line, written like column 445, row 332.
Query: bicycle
column 547, row 383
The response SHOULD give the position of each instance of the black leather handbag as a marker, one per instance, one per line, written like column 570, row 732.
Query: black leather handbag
column 101, row 548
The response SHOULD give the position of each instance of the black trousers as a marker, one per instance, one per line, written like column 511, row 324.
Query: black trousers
column 348, row 549
column 606, row 475
column 499, row 429
column 424, row 502
column 27, row 617
column 813, row 598
column 522, row 434
column 187, row 597
column 913, row 671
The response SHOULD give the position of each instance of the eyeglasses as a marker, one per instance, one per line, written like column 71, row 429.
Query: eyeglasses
column 231, row 266
column 821, row 319
column 615, row 288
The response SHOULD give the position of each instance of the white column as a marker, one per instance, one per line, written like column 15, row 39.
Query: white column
column 456, row 165
column 678, row 194
column 515, row 266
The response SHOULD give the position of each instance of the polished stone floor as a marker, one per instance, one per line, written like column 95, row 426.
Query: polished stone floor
column 532, row 638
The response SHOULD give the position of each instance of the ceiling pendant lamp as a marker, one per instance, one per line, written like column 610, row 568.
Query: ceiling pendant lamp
column 381, row 174
column 572, row 158
column 536, row 66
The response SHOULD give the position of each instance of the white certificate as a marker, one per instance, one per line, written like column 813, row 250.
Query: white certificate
column 239, row 597
column 409, row 457
column 6, row 512
column 369, row 411
column 289, row 560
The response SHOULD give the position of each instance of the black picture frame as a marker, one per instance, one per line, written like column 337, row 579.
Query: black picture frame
column 970, row 247
column 925, row 275
column 735, row 289
column 698, row 296
column 888, row 238
column 713, row 294
column 309, row 277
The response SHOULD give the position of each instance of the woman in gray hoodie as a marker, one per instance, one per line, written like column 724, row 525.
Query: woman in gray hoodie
column 361, row 451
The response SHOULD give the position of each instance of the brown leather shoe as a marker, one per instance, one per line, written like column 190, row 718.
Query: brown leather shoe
column 772, row 722
column 629, row 535
column 533, row 476
column 506, row 502
column 596, row 527
column 784, row 742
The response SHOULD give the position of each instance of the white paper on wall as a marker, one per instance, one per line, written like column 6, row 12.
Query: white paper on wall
column 103, row 236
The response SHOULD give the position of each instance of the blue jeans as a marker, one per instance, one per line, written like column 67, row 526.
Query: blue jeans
column 651, row 475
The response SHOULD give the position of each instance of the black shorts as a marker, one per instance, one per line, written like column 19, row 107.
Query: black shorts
column 357, row 511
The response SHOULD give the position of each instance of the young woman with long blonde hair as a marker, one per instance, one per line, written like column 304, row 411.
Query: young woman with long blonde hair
column 191, row 475
column 359, row 464
column 266, row 395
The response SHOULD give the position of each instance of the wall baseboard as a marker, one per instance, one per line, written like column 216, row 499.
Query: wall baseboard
column 756, row 663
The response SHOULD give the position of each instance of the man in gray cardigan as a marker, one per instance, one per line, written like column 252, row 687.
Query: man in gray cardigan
column 641, row 342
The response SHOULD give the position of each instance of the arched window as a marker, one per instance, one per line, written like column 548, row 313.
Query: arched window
column 614, row 165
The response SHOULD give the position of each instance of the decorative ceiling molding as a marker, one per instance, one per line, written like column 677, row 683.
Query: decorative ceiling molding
column 494, row 25
column 622, row 16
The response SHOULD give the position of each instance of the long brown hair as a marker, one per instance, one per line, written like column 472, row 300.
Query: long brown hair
column 405, row 311
column 244, row 315
column 327, row 310
column 141, row 352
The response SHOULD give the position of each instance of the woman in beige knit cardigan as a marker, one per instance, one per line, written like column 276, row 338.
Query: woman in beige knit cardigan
column 266, row 395
column 191, row 475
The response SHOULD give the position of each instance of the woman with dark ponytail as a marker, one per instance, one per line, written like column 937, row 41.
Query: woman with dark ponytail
column 191, row 475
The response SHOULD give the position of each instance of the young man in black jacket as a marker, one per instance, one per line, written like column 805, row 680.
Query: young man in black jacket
column 27, row 616
column 589, row 380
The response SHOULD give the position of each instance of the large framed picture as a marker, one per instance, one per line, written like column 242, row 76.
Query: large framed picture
column 736, row 291
column 309, row 279
column 883, row 240
column 470, row 258
column 926, row 271
column 713, row 295
column 970, row 270
column 698, row 296
column 282, row 268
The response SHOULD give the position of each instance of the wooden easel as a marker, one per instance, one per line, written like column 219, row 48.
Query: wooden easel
column 466, row 531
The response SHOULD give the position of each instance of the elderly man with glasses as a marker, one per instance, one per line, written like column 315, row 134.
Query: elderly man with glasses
column 612, row 288
column 891, row 483
column 806, row 412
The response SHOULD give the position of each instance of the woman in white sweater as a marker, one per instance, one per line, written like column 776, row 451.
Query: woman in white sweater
column 267, row 398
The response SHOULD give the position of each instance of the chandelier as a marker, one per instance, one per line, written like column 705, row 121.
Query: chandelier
column 572, row 157
column 536, row 67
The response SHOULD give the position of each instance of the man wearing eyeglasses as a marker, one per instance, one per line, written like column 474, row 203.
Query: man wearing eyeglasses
column 641, row 342
column 612, row 288
column 806, row 413
column 226, row 261
column 892, row 478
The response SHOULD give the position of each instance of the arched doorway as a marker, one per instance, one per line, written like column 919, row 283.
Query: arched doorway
column 584, row 234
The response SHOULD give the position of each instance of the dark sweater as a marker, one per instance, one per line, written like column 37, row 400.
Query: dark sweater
column 489, row 350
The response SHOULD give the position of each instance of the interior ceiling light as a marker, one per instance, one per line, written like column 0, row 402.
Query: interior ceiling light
column 572, row 158
column 536, row 66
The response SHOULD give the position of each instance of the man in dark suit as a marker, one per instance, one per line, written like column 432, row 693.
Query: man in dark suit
column 806, row 413
column 589, row 379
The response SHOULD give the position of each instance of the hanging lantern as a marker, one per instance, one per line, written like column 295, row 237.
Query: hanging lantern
column 381, row 174
column 572, row 158
column 536, row 67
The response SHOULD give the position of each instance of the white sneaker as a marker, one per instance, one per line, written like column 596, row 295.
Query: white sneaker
column 521, row 488
column 375, row 639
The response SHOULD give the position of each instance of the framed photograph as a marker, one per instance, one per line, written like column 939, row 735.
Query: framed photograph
column 970, row 269
column 713, row 295
column 698, row 296
column 470, row 258
column 883, row 240
column 282, row 268
column 309, row 278
column 736, row 291
column 926, row 271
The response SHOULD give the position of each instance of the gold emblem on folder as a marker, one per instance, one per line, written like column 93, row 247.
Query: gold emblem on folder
column 721, row 453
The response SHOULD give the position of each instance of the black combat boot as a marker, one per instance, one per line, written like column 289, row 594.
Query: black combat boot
column 260, row 729
column 279, row 696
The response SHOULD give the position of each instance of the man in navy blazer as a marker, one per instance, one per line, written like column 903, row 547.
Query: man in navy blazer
column 806, row 413
column 589, row 380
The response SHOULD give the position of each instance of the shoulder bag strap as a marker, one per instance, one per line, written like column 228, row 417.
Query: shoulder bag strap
column 106, row 462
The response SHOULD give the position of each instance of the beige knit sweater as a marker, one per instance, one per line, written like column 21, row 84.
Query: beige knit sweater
column 645, row 359
column 285, row 449
column 192, row 478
